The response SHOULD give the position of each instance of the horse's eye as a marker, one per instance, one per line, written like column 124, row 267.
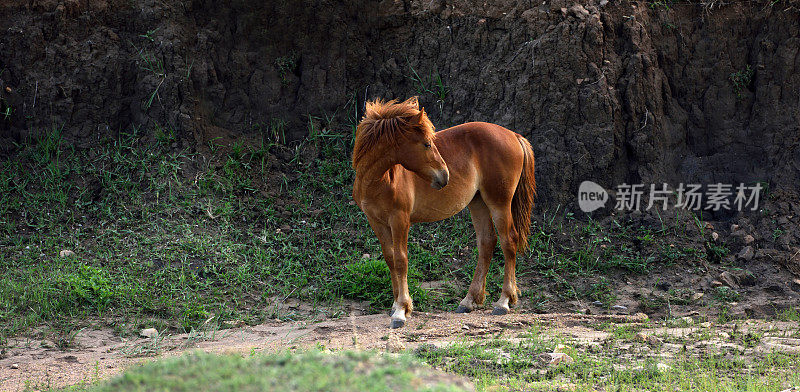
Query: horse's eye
column 427, row 145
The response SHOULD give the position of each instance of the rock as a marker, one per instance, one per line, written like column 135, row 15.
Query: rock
column 714, row 236
column 709, row 226
column 745, row 278
column 619, row 307
column 15, row 366
column 650, row 339
column 465, row 327
column 768, row 254
column 579, row 11
column 148, row 333
column 705, row 324
column 697, row 296
column 603, row 3
column 748, row 239
column 729, row 280
column 365, row 256
column 688, row 320
column 734, row 227
column 394, row 345
column 746, row 253
column 716, row 283
column 795, row 285
column 66, row 253
column 662, row 367
column 554, row 359
column 597, row 303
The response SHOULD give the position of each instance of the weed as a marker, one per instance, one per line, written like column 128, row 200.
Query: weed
column 665, row 4
column 716, row 252
column 286, row 65
column 431, row 84
column 741, row 80
column 149, row 35
column 726, row 294
column 92, row 285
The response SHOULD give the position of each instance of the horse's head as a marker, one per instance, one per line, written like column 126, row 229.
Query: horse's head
column 403, row 134
column 417, row 151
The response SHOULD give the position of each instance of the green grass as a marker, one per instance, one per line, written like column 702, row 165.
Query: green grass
column 499, row 364
column 168, row 237
column 171, row 238
column 289, row 371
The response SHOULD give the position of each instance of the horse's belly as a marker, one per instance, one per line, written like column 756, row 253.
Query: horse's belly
column 435, row 205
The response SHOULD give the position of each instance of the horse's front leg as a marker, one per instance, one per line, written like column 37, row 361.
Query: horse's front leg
column 403, row 305
column 384, row 234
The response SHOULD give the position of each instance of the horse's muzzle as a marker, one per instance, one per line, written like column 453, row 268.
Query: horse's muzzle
column 440, row 179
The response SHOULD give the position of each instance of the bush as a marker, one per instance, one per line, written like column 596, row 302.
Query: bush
column 369, row 280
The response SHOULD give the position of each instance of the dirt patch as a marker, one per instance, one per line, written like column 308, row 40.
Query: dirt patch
column 98, row 354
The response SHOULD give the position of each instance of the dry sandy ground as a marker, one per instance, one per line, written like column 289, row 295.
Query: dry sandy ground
column 98, row 354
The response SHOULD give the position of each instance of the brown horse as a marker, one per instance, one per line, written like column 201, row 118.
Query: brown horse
column 406, row 173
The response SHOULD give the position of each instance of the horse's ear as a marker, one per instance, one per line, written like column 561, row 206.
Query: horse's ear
column 417, row 118
column 413, row 101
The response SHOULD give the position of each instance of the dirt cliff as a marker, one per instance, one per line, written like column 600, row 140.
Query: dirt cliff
column 609, row 90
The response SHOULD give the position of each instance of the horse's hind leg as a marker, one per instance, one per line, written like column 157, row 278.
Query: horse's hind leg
column 504, row 222
column 487, row 240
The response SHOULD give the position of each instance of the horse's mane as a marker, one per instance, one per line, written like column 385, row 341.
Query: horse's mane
column 385, row 123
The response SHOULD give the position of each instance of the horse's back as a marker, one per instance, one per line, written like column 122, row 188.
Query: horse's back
column 486, row 142
column 492, row 151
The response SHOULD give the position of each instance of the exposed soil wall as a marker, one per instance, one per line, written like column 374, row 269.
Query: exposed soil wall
column 615, row 91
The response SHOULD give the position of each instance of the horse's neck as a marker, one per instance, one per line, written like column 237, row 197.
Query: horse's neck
column 372, row 174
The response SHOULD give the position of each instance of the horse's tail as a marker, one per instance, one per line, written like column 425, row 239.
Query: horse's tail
column 522, row 203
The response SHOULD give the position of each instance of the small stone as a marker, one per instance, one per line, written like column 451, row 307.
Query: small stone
column 394, row 345
column 734, row 227
column 579, row 11
column 597, row 303
column 697, row 296
column 148, row 333
column 365, row 256
column 554, row 359
column 66, row 253
column 465, row 327
column 709, row 226
column 603, row 3
column 705, row 324
column 688, row 320
column 748, row 239
column 619, row 307
column 716, row 283
column 650, row 339
column 662, row 366
column 714, row 236
column 15, row 366
column 746, row 253
column 728, row 279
